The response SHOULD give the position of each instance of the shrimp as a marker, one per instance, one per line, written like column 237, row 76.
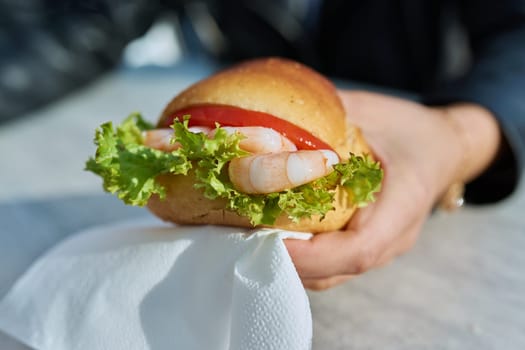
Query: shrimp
column 276, row 165
column 256, row 139
column 274, row 172
column 259, row 139
column 161, row 138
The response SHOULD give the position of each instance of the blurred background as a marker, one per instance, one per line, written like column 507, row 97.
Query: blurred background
column 49, row 49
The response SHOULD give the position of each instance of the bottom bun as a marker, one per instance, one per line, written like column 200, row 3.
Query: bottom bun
column 186, row 205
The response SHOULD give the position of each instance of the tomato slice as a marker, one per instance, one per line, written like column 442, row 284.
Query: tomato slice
column 208, row 115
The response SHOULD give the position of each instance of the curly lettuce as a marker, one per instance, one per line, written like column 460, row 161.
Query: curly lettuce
column 129, row 169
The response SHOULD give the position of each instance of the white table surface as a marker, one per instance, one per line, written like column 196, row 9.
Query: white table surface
column 461, row 287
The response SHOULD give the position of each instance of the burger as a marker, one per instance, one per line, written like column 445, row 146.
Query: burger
column 213, row 158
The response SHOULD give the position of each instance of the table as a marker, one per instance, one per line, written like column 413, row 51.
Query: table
column 461, row 287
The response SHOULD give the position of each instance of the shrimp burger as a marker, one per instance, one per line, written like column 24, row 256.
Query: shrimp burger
column 263, row 143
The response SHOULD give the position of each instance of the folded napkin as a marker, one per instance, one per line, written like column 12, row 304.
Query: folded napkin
column 153, row 286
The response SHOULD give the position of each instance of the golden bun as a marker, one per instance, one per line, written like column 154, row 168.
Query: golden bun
column 285, row 89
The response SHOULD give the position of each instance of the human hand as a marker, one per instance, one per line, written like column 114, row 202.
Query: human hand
column 423, row 151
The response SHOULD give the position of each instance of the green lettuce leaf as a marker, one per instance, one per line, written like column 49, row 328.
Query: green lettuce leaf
column 128, row 169
column 362, row 177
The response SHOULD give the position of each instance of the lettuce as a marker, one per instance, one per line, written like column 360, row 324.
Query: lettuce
column 128, row 169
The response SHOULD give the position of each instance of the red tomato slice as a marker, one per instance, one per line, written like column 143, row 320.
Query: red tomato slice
column 208, row 115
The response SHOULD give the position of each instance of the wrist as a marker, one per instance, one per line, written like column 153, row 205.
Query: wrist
column 478, row 140
column 479, row 137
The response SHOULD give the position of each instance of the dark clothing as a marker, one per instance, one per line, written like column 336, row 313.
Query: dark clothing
column 445, row 51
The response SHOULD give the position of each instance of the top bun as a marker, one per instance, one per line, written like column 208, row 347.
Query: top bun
column 282, row 88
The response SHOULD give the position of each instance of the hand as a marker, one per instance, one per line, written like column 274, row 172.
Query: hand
column 423, row 151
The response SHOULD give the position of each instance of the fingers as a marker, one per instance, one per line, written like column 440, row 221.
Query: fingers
column 324, row 255
column 402, row 246
column 406, row 243
column 375, row 235
column 326, row 283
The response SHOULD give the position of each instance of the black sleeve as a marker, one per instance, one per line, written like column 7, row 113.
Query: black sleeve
column 48, row 48
column 496, row 81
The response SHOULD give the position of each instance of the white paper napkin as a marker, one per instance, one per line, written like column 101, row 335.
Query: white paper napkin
column 152, row 286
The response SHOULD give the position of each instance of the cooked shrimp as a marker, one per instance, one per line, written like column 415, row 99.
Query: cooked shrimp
column 256, row 139
column 260, row 140
column 161, row 138
column 274, row 172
